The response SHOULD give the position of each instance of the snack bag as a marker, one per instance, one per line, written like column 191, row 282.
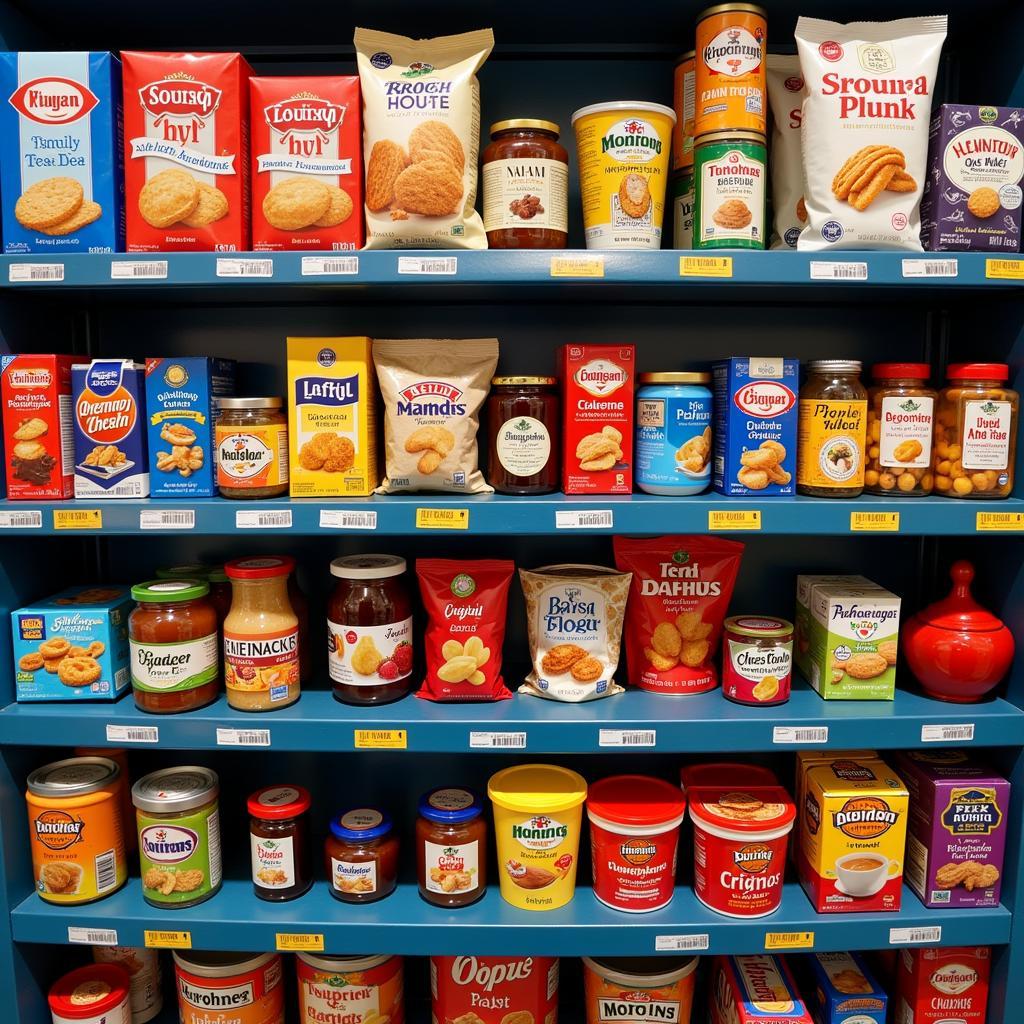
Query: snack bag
column 574, row 616
column 421, row 138
column 466, row 601
column 865, row 129
column 679, row 597
column 786, row 94
column 432, row 393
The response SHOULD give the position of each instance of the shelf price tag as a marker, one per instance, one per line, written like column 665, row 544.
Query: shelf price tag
column 497, row 741
column 800, row 734
column 721, row 519
column 442, row 519
column 30, row 519
column 326, row 266
column 267, row 519
column 18, row 272
column 906, row 936
column 305, row 943
column 92, row 936
column 822, row 270
column 681, row 943
column 591, row 519
column 167, row 519
column 963, row 733
column 447, row 266
column 627, row 738
column 930, row 268
column 245, row 268
column 133, row 734
column 789, row 940
column 381, row 739
column 138, row 270
column 577, row 266
column 874, row 522
column 77, row 519
column 999, row 521
column 1008, row 270
column 243, row 737
column 345, row 519
column 705, row 266
column 167, row 940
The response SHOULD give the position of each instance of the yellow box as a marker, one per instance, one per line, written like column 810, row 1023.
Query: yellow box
column 332, row 426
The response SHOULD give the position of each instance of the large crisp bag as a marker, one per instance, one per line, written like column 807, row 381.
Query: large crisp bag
column 865, row 129
column 786, row 94
column 421, row 138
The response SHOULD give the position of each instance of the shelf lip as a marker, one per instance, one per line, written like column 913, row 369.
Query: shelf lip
column 405, row 924
column 705, row 723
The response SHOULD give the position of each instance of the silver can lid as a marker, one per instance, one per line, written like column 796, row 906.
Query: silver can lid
column 834, row 366
column 74, row 776
column 176, row 789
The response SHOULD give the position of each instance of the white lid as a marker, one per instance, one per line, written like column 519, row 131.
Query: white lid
column 597, row 108
column 367, row 567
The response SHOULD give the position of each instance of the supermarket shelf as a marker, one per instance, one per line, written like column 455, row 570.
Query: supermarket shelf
column 404, row 923
column 495, row 514
column 705, row 723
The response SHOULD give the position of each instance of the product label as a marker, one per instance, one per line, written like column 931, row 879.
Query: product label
column 738, row 877
column 673, row 443
column 682, row 211
column 757, row 674
column 369, row 655
column 452, row 869
column 157, row 668
column 255, row 457
column 352, row 876
column 526, row 194
column 524, row 446
column 906, row 439
column 633, row 872
column 730, row 197
column 351, row 997
column 267, row 662
column 830, row 442
column 180, row 857
column 987, row 435
column 273, row 862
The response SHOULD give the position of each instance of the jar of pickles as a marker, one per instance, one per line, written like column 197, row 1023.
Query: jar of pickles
column 976, row 432
column 901, row 418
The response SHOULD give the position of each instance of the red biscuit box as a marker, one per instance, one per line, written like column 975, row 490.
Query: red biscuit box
column 494, row 989
column 187, row 113
column 38, row 434
column 597, row 382
column 943, row 986
column 306, row 130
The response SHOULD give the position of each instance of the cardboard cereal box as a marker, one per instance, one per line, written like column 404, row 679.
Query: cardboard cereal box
column 181, row 411
column 38, row 439
column 957, row 835
column 597, row 406
column 756, row 989
column 332, row 417
column 943, row 986
column 307, row 167
column 48, row 634
column 186, row 125
column 845, row 992
column 61, row 161
column 110, row 429
column 853, row 830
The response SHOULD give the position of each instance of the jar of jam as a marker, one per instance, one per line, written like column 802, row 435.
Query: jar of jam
column 282, row 861
column 361, row 856
column 451, row 847
column 252, row 447
column 523, row 414
column 526, row 186
column 757, row 659
column 901, row 418
column 369, row 629
column 174, row 639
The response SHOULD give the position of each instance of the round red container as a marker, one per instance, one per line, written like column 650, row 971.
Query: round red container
column 757, row 659
column 726, row 773
column 634, row 838
column 739, row 848
column 97, row 994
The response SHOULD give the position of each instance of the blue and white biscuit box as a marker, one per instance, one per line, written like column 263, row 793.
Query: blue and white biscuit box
column 755, row 425
column 844, row 990
column 60, row 117
column 181, row 411
column 74, row 645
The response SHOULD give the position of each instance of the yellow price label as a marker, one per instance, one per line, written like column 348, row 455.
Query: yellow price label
column 734, row 520
column 77, row 519
column 705, row 266
column 875, row 522
column 1011, row 521
column 308, row 942
column 381, row 739
column 789, row 940
column 1007, row 270
column 577, row 266
column 167, row 940
column 442, row 519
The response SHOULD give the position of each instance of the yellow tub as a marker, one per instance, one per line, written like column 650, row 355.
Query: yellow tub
column 623, row 150
column 538, row 813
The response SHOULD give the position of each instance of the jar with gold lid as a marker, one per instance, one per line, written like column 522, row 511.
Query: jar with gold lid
column 252, row 447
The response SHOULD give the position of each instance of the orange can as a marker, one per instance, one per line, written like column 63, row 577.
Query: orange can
column 730, row 72
column 616, row 987
column 684, row 96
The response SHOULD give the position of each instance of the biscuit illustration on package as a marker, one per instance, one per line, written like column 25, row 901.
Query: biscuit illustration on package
column 48, row 202
column 88, row 213
column 869, row 172
column 212, row 206
column 296, row 203
column 634, row 195
column 762, row 466
column 983, row 202
column 599, row 452
column 733, row 213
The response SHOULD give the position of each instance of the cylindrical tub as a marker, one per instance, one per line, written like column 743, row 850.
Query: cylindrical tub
column 725, row 773
column 655, row 988
column 350, row 988
column 97, row 994
column 248, row 988
column 143, row 967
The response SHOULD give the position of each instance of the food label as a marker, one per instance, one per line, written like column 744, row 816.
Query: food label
column 244, row 997
column 730, row 72
column 633, row 873
column 254, row 457
column 757, row 673
column 450, row 868
column 273, row 862
column 526, row 194
column 673, row 442
column 830, row 440
column 351, row 876
column 493, row 989
column 267, row 661
column 360, row 996
column 684, row 102
column 523, row 446
column 159, row 668
column 906, row 439
column 369, row 655
column 738, row 877
column 180, row 856
column 729, row 202
column 943, row 985
column 759, row 987
column 987, row 435
column 683, row 192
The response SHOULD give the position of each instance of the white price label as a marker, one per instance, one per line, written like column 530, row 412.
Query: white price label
column 800, row 734
column 326, row 266
column 243, row 737
column 167, row 519
column 347, row 520
column 92, row 936
column 268, row 519
column 497, row 740
column 133, row 734
column 904, row 936
column 681, row 943
column 930, row 268
column 962, row 733
column 446, row 265
column 18, row 272
column 822, row 271
column 30, row 519
column 244, row 268
column 138, row 270
column 591, row 519
column 627, row 738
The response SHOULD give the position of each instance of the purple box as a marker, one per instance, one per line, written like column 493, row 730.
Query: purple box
column 957, row 828
column 972, row 197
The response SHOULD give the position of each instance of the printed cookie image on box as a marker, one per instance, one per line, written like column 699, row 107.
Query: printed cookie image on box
column 845, row 990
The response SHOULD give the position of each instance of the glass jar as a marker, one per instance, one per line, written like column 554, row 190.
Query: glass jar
column 252, row 447
column 220, row 592
column 261, row 635
column 831, row 430
column 976, row 432
column 174, row 639
column 901, row 419
column 673, row 433
column 361, row 856
column 369, row 630
column 451, row 847
column 526, row 186
column 523, row 414
column 282, row 861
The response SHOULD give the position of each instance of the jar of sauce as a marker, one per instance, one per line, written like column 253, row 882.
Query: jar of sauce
column 526, row 186
column 261, row 635
column 369, row 629
column 361, row 856
column 523, row 414
column 174, row 641
column 757, row 659
column 252, row 447
column 282, row 861
column 451, row 847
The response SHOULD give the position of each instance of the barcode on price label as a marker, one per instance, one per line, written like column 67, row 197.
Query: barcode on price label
column 134, row 270
column 30, row 519
column 627, row 738
column 331, row 520
column 133, row 734
column 265, row 520
column 428, row 265
column 323, row 266
column 243, row 737
column 800, row 734
column 822, row 271
column 168, row 519
column 930, row 268
column 903, row 936
column 962, row 733
column 35, row 272
column 497, row 740
column 681, row 943
column 245, row 268
column 92, row 936
column 591, row 519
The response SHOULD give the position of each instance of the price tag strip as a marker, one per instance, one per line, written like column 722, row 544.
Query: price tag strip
column 591, row 519
column 243, row 737
column 167, row 940
column 789, row 940
column 828, row 271
column 167, row 519
column 327, row 266
column 30, row 519
column 92, row 936
column 1012, row 522
column 138, row 270
column 245, row 268
column 963, row 733
column 874, row 522
column 497, row 741
column 734, row 520
column 445, row 265
column 705, row 266
column 307, row 942
column 133, row 734
column 929, row 934
column 347, row 520
column 577, row 266
column 1007, row 270
column 682, row 943
column 627, row 738
column 381, row 739
column 77, row 519
column 442, row 519
column 930, row 268
column 269, row 519
column 18, row 273
column 800, row 734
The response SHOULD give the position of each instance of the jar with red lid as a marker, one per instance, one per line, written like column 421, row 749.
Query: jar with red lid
column 361, row 855
column 451, row 847
column 369, row 629
column 96, row 994
column 757, row 659
column 282, row 860
column 901, row 420
column 523, row 416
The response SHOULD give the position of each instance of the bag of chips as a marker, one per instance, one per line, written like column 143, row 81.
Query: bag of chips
column 785, row 96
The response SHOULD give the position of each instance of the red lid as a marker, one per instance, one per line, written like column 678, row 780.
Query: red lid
column 277, row 802
column 90, row 992
column 726, row 773
column 919, row 371
column 751, row 809
column 958, row 610
column 262, row 568
column 635, row 800
column 978, row 371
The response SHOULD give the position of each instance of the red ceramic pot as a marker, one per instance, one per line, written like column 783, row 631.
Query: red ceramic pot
column 957, row 650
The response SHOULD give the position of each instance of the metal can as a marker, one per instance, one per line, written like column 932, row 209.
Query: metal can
column 730, row 71
column 248, row 986
column 680, row 188
column 729, row 194
column 757, row 659
column 684, row 95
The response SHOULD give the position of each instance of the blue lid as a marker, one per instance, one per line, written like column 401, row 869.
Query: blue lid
column 450, row 806
column 361, row 823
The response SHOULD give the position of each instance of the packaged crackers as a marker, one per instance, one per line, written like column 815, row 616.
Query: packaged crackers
column 421, row 138
column 755, row 988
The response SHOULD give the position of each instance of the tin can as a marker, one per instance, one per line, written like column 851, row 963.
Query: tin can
column 730, row 72
column 757, row 659
column 680, row 190
column 730, row 169
column 249, row 985
column 350, row 988
column 684, row 95
column 97, row 994
column 143, row 967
